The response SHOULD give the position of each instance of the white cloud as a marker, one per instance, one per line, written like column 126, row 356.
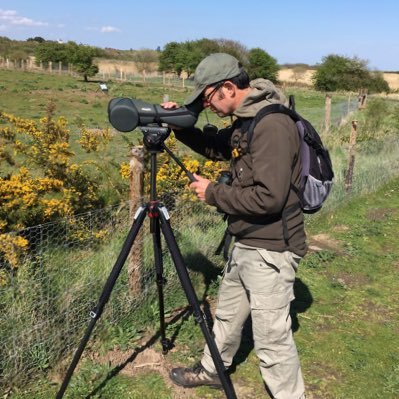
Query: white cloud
column 109, row 29
column 11, row 17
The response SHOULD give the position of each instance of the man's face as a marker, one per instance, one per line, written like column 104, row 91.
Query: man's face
column 215, row 98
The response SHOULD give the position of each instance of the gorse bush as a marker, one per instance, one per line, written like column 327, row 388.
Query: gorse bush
column 172, row 180
column 45, row 183
column 381, row 118
column 92, row 139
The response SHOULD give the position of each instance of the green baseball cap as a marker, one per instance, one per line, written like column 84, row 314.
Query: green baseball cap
column 212, row 69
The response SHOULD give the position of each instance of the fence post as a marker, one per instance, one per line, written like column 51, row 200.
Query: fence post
column 136, row 195
column 351, row 161
column 362, row 99
column 327, row 115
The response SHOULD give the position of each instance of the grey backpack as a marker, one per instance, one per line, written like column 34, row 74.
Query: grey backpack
column 317, row 171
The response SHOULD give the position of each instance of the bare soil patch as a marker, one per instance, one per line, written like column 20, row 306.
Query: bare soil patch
column 134, row 364
column 349, row 280
column 379, row 214
column 324, row 242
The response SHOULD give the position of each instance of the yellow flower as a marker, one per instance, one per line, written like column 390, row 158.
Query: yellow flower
column 124, row 170
column 56, row 207
column 12, row 248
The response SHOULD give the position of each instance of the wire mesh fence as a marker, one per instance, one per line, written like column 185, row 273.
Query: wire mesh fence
column 45, row 304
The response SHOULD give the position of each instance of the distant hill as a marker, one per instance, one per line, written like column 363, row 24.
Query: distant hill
column 304, row 77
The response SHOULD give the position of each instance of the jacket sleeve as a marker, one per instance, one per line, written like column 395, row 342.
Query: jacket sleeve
column 265, row 189
column 215, row 146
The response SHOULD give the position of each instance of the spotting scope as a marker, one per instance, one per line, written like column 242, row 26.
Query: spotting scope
column 125, row 114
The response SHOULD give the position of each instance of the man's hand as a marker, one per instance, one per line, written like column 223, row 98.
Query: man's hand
column 170, row 105
column 200, row 186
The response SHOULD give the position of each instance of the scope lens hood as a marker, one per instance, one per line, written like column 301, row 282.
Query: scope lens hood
column 123, row 114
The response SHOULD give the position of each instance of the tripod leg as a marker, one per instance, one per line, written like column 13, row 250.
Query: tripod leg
column 193, row 300
column 96, row 313
column 161, row 281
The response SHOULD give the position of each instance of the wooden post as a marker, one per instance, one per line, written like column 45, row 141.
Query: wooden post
column 364, row 102
column 136, row 195
column 327, row 115
column 362, row 99
column 351, row 161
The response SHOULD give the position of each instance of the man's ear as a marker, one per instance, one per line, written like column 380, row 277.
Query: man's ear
column 230, row 88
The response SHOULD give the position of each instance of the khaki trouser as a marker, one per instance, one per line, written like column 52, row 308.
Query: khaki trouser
column 259, row 283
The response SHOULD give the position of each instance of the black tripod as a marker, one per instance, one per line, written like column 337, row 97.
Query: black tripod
column 159, row 221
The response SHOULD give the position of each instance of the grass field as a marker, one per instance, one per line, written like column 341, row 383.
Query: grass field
column 27, row 94
column 345, row 322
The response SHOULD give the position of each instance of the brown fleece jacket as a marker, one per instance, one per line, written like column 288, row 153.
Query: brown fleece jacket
column 262, row 177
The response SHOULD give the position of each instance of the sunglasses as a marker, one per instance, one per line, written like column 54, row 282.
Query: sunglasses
column 208, row 97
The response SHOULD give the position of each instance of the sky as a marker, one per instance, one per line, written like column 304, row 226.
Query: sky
column 291, row 31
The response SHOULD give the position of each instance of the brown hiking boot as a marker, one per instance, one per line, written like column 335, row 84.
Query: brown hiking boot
column 194, row 377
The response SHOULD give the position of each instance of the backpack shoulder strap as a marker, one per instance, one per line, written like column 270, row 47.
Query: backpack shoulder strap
column 291, row 102
column 270, row 109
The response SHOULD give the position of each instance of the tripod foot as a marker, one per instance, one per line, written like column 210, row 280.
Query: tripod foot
column 167, row 345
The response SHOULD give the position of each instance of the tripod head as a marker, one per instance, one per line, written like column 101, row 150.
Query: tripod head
column 125, row 114
column 154, row 137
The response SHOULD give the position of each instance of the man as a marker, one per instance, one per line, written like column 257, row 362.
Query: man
column 264, row 217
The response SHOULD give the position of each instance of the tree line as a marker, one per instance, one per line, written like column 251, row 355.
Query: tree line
column 335, row 72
